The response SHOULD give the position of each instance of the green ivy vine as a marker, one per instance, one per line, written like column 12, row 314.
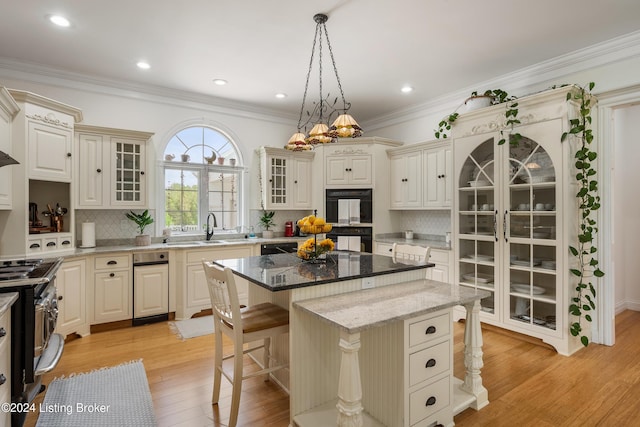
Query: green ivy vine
column 583, row 303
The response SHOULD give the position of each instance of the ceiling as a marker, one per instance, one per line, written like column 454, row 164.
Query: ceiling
column 263, row 47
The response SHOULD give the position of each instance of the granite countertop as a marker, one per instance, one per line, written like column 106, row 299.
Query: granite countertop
column 433, row 241
column 368, row 308
column 6, row 301
column 287, row 271
column 175, row 244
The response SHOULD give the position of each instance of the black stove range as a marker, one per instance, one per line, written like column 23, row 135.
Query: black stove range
column 35, row 348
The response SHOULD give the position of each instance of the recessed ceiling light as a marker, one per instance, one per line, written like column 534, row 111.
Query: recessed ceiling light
column 281, row 95
column 220, row 82
column 143, row 65
column 406, row 89
column 59, row 20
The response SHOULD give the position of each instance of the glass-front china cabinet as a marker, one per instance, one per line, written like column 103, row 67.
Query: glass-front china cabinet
column 515, row 216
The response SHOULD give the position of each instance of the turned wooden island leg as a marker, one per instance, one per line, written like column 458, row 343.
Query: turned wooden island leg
column 349, row 383
column 473, row 356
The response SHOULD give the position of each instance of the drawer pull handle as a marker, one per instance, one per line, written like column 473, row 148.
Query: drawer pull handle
column 3, row 379
column 3, row 332
column 112, row 262
column 51, row 244
column 430, row 363
column 112, row 274
column 430, row 330
column 430, row 401
column 34, row 246
column 66, row 242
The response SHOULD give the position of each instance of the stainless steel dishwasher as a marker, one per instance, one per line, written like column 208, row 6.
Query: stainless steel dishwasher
column 150, row 287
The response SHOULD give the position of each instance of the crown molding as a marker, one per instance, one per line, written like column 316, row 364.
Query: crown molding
column 35, row 73
column 525, row 79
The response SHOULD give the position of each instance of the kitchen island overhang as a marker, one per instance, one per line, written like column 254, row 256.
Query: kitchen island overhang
column 356, row 368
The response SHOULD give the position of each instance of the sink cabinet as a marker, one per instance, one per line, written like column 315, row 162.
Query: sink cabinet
column 192, row 290
column 112, row 168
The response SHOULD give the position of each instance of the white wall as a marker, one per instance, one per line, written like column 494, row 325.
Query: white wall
column 626, row 202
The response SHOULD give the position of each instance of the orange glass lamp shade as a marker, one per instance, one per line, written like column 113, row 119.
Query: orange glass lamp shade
column 318, row 134
column 345, row 126
column 297, row 143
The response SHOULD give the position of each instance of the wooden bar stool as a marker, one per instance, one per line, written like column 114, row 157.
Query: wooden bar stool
column 241, row 325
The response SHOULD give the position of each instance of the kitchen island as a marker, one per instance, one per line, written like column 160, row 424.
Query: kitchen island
column 358, row 324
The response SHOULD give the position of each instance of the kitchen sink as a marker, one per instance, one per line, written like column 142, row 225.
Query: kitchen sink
column 212, row 242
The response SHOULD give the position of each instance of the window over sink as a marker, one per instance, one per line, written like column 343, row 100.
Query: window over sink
column 202, row 174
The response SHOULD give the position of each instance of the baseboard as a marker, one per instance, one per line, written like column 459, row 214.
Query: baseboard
column 516, row 335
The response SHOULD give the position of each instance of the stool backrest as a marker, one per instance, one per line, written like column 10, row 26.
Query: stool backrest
column 223, row 293
column 401, row 252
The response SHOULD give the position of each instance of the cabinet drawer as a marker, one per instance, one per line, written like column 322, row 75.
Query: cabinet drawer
column 429, row 329
column 112, row 262
column 429, row 362
column 429, row 400
column 439, row 257
column 384, row 249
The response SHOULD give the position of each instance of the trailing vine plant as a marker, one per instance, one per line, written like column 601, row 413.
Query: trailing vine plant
column 583, row 303
column 498, row 96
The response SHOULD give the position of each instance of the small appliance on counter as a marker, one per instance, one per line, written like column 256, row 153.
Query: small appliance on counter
column 288, row 229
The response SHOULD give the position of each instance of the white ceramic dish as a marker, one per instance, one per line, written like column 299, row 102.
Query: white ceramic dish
column 523, row 288
column 480, row 257
column 480, row 277
column 479, row 183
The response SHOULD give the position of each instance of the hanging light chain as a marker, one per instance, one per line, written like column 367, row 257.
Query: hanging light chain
column 306, row 84
column 335, row 68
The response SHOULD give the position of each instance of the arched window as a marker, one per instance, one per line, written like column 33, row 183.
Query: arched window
column 202, row 175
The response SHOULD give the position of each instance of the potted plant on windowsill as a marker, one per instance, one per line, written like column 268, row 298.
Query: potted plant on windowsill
column 141, row 220
column 266, row 220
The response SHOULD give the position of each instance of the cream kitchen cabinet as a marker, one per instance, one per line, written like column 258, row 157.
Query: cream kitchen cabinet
column 151, row 293
column 48, row 130
column 111, row 168
column 439, row 272
column 349, row 165
column 71, row 282
column 112, row 288
column 192, row 290
column 286, row 178
column 406, row 179
column 437, row 179
column 421, row 176
column 8, row 110
column 5, row 366
column 516, row 216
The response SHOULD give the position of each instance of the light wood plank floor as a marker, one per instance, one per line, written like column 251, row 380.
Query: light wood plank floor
column 529, row 384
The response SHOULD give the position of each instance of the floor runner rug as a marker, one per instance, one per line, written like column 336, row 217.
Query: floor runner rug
column 114, row 396
column 190, row 328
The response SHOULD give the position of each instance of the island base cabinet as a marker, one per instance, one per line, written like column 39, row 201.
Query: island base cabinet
column 5, row 366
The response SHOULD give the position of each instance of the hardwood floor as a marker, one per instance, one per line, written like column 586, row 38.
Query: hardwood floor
column 529, row 384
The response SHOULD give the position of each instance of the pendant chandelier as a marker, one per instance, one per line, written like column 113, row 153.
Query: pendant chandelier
column 344, row 126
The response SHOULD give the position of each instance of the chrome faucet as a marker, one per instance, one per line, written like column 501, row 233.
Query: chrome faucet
column 209, row 230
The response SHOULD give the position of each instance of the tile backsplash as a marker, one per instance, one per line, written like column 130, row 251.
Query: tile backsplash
column 427, row 222
column 110, row 224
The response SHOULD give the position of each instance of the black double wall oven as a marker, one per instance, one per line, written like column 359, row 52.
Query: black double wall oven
column 351, row 213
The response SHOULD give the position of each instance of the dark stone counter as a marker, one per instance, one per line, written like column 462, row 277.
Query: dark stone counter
column 287, row 271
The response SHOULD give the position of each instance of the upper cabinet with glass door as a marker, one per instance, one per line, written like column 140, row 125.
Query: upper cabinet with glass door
column 514, row 210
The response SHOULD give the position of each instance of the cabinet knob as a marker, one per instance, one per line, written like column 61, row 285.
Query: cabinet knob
column 430, row 401
column 430, row 363
column 60, row 298
column 68, row 154
column 112, row 274
column 98, row 170
column 3, row 379
column 3, row 332
column 141, row 172
column 295, row 182
column 430, row 330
